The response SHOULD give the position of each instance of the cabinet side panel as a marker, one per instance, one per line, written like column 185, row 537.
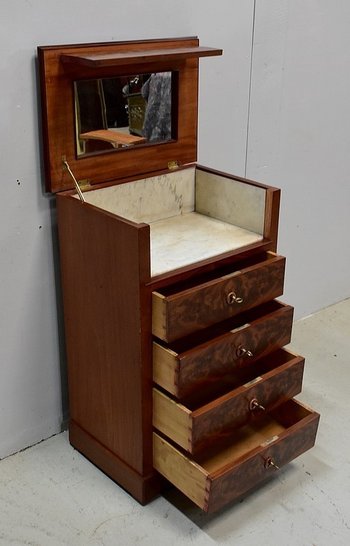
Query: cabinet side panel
column 272, row 208
column 102, row 260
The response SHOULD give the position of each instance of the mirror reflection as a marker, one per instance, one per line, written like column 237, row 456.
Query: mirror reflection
column 125, row 111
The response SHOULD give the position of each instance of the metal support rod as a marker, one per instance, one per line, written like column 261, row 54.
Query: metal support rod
column 76, row 184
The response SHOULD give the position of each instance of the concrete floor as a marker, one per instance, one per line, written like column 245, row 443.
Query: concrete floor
column 52, row 496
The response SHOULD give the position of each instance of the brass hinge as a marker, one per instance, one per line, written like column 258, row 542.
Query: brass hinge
column 84, row 184
column 172, row 165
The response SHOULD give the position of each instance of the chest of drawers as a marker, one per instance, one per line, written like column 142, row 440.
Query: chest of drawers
column 170, row 277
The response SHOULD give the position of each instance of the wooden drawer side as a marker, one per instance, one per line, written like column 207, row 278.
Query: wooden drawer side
column 165, row 367
column 159, row 317
column 172, row 418
column 186, row 475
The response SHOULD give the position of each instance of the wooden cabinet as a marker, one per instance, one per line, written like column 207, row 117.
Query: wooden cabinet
column 170, row 277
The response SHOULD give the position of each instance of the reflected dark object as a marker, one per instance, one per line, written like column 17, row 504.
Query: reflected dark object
column 125, row 111
column 157, row 92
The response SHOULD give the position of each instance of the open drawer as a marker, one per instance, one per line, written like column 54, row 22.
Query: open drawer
column 186, row 364
column 253, row 453
column 177, row 312
column 204, row 419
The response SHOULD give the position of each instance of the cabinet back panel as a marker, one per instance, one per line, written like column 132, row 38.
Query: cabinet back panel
column 148, row 199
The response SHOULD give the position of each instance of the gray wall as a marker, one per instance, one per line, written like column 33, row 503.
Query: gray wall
column 299, row 140
column 295, row 115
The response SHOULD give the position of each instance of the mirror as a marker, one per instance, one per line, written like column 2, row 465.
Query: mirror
column 123, row 112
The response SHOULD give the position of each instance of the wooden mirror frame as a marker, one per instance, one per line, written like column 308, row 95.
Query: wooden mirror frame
column 59, row 66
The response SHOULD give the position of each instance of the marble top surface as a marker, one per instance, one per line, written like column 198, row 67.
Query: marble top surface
column 189, row 238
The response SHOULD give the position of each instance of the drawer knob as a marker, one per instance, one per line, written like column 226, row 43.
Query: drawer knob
column 254, row 405
column 270, row 462
column 232, row 298
column 242, row 351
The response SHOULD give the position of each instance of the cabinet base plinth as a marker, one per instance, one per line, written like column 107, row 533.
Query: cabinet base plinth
column 142, row 488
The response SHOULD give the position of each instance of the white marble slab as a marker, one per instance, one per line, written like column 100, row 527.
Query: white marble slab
column 193, row 215
column 184, row 240
column 230, row 200
column 148, row 199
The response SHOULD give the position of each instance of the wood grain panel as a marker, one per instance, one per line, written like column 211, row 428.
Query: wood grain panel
column 225, row 473
column 172, row 418
column 195, row 427
column 135, row 57
column 223, row 351
column 206, row 304
column 234, row 410
column 58, row 113
column 185, row 474
column 231, row 483
column 104, row 263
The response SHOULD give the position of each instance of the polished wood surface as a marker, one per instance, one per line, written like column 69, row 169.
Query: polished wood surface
column 58, row 120
column 114, row 137
column 222, row 475
column 194, row 426
column 136, row 57
column 183, row 312
column 299, row 437
column 104, row 263
column 269, row 390
column 216, row 333
column 183, row 366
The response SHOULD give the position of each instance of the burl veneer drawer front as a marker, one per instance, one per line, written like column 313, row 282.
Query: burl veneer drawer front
column 253, row 453
column 177, row 314
column 186, row 364
column 194, row 425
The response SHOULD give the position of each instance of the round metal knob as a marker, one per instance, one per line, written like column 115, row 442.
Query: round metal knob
column 242, row 351
column 233, row 298
column 254, row 405
column 270, row 462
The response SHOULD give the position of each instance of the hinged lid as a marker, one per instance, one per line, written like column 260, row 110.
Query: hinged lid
column 70, row 132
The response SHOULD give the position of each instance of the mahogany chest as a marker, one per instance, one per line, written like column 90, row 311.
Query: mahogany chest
column 170, row 277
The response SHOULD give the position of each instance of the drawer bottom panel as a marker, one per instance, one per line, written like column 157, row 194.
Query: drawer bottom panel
column 253, row 453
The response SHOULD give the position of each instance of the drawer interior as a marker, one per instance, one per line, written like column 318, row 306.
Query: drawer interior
column 223, row 473
column 246, row 439
column 193, row 214
column 249, row 437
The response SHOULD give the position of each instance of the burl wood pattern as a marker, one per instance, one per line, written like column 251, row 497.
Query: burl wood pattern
column 219, row 419
column 233, row 482
column 209, row 362
column 207, row 304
